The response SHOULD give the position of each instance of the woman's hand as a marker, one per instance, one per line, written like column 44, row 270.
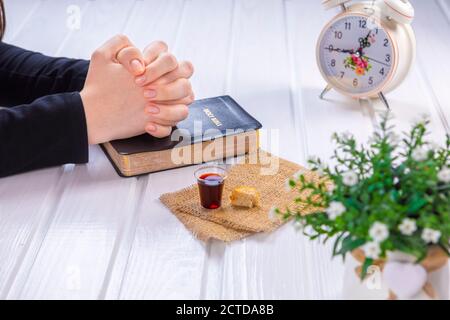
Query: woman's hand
column 165, row 82
column 117, row 107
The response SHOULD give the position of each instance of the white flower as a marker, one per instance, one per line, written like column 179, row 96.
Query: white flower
column 299, row 224
column 309, row 231
column 335, row 210
column 422, row 118
column 379, row 232
column 347, row 135
column 331, row 189
column 299, row 173
column 350, row 178
column 273, row 214
column 433, row 145
column 407, row 227
column 320, row 170
column 430, row 235
column 444, row 175
column 314, row 163
column 420, row 154
column 372, row 250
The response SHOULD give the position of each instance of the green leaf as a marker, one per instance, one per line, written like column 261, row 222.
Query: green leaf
column 417, row 204
column 365, row 267
column 349, row 244
column 410, row 245
column 392, row 186
column 443, row 247
column 336, row 243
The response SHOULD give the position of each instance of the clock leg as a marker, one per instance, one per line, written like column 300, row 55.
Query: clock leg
column 384, row 100
column 325, row 91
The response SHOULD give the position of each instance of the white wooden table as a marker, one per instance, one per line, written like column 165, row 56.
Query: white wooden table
column 82, row 232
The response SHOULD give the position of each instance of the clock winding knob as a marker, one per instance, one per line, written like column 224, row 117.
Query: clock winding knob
column 329, row 4
column 400, row 11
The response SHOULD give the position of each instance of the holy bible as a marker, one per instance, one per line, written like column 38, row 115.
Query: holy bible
column 216, row 128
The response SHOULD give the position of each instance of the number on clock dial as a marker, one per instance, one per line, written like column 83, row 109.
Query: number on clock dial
column 356, row 55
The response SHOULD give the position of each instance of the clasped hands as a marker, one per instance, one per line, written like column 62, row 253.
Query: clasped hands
column 128, row 92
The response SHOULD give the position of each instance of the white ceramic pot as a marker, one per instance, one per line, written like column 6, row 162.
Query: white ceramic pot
column 401, row 273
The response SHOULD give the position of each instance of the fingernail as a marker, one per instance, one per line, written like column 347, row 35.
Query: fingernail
column 140, row 80
column 150, row 128
column 136, row 65
column 150, row 93
column 153, row 109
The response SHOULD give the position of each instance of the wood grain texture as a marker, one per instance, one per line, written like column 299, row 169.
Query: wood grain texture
column 19, row 14
column 141, row 273
column 82, row 232
column 29, row 218
column 73, row 264
column 432, row 26
column 162, row 244
column 26, row 209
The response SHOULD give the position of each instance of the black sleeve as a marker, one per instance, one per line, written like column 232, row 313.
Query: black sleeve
column 26, row 75
column 45, row 124
column 47, row 132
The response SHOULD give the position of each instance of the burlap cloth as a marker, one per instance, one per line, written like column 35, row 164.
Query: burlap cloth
column 230, row 223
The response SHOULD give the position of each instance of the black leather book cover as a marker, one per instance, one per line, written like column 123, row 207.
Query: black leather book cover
column 208, row 119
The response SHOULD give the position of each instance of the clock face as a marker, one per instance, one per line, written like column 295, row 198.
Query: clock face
column 356, row 55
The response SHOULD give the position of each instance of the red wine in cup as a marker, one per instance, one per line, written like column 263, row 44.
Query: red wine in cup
column 210, row 186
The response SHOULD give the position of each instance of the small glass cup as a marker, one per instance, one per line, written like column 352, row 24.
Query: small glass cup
column 210, row 180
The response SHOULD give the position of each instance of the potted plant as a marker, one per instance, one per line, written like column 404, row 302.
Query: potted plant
column 387, row 203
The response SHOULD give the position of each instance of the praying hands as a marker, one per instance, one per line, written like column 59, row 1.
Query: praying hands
column 54, row 107
column 128, row 92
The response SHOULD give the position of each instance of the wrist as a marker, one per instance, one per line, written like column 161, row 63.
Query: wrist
column 92, row 121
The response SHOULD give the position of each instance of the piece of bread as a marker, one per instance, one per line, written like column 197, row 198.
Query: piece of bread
column 245, row 197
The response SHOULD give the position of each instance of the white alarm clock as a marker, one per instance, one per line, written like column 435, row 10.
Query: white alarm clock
column 368, row 49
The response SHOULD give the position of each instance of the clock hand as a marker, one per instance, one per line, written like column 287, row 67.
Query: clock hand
column 366, row 39
column 340, row 50
column 384, row 64
column 364, row 43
